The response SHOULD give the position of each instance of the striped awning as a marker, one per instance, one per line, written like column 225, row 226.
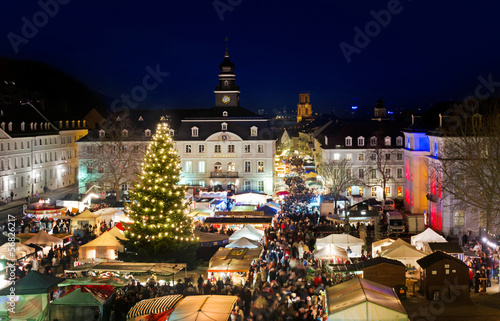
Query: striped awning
column 154, row 306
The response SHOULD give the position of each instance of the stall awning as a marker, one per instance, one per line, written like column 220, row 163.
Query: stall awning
column 129, row 267
column 204, row 308
column 238, row 220
column 154, row 306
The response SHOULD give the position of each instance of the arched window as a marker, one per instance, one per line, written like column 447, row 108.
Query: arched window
column 387, row 141
column 224, row 126
column 373, row 141
column 101, row 133
column 361, row 141
column 231, row 167
column 125, row 133
column 218, row 167
column 194, row 131
column 348, row 141
column 253, row 131
column 224, row 113
column 147, row 132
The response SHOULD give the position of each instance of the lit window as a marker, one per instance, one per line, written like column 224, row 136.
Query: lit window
column 231, row 167
column 387, row 141
column 260, row 148
column 260, row 166
column 147, row 132
column 361, row 157
column 188, row 167
column 459, row 218
column 253, row 131
column 201, row 167
column 400, row 191
column 125, row 133
column 374, row 192
column 101, row 133
column 435, row 149
column 388, row 191
column 336, row 156
column 224, row 126
column 217, row 167
column 247, row 148
column 399, row 141
column 348, row 156
column 349, row 191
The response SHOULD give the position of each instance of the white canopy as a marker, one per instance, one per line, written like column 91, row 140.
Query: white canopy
column 360, row 299
column 342, row 240
column 45, row 239
column 331, row 251
column 20, row 251
column 249, row 232
column 427, row 236
column 377, row 246
column 86, row 217
column 103, row 247
column 403, row 252
column 109, row 213
column 204, row 308
column 116, row 232
column 243, row 243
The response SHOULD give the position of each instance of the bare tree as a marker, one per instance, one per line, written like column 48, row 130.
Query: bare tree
column 114, row 153
column 468, row 163
column 337, row 176
column 379, row 165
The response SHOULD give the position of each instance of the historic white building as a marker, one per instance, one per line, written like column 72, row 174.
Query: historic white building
column 36, row 154
column 362, row 143
column 227, row 147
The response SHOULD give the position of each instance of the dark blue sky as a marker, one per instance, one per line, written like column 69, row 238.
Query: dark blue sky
column 430, row 51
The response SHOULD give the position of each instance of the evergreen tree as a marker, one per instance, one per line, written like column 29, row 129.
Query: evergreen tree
column 161, row 230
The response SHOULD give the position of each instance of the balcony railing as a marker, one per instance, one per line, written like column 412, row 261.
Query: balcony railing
column 224, row 174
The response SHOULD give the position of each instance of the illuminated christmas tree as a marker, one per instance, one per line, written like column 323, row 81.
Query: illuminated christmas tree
column 161, row 229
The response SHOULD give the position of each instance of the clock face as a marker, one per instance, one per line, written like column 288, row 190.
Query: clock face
column 226, row 99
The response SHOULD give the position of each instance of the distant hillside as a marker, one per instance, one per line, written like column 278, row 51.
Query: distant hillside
column 63, row 95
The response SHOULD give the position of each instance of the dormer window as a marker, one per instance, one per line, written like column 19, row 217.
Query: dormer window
column 224, row 114
column 399, row 141
column 171, row 132
column 194, row 131
column 124, row 133
column 224, row 126
column 22, row 126
column 10, row 126
column 140, row 118
column 118, row 118
column 361, row 141
column 373, row 141
column 147, row 133
column 387, row 141
column 253, row 131
column 348, row 141
column 3, row 125
column 101, row 133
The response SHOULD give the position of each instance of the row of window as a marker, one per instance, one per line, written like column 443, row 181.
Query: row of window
column 374, row 174
column 218, row 167
column 36, row 142
column 218, row 148
column 195, row 131
column 373, row 156
column 247, row 185
column 20, row 181
column 100, row 168
column 373, row 141
column 147, row 133
column 388, row 191
column 41, row 158
column 113, row 148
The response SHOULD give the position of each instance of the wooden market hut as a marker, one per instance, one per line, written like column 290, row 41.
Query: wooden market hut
column 440, row 273
column 451, row 248
column 384, row 271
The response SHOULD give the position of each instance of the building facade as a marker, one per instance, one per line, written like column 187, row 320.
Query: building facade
column 36, row 154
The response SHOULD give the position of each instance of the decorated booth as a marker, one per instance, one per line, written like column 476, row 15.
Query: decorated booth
column 86, row 218
column 232, row 262
column 106, row 246
column 156, row 309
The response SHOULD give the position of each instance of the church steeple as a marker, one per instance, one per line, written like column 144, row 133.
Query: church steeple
column 380, row 113
column 227, row 93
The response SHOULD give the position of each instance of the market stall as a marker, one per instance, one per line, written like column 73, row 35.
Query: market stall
column 360, row 299
column 86, row 218
column 331, row 252
column 451, row 248
column 157, row 308
column 81, row 306
column 32, row 294
column 403, row 252
column 106, row 246
column 109, row 214
column 44, row 239
column 20, row 251
column 204, row 308
column 243, row 243
column 351, row 244
column 427, row 236
column 377, row 246
column 249, row 232
column 232, row 262
column 209, row 243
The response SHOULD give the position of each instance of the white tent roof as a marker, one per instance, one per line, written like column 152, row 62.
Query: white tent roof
column 249, row 232
column 204, row 308
column 403, row 252
column 341, row 240
column 109, row 213
column 44, row 238
column 86, row 215
column 427, row 236
column 20, row 251
column 360, row 299
column 105, row 240
column 377, row 246
column 116, row 232
column 330, row 251
column 243, row 242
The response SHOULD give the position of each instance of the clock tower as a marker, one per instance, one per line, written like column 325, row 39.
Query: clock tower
column 227, row 94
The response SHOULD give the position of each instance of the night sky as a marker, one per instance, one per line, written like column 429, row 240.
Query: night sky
column 429, row 51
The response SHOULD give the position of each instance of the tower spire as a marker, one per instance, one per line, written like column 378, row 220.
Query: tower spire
column 227, row 51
